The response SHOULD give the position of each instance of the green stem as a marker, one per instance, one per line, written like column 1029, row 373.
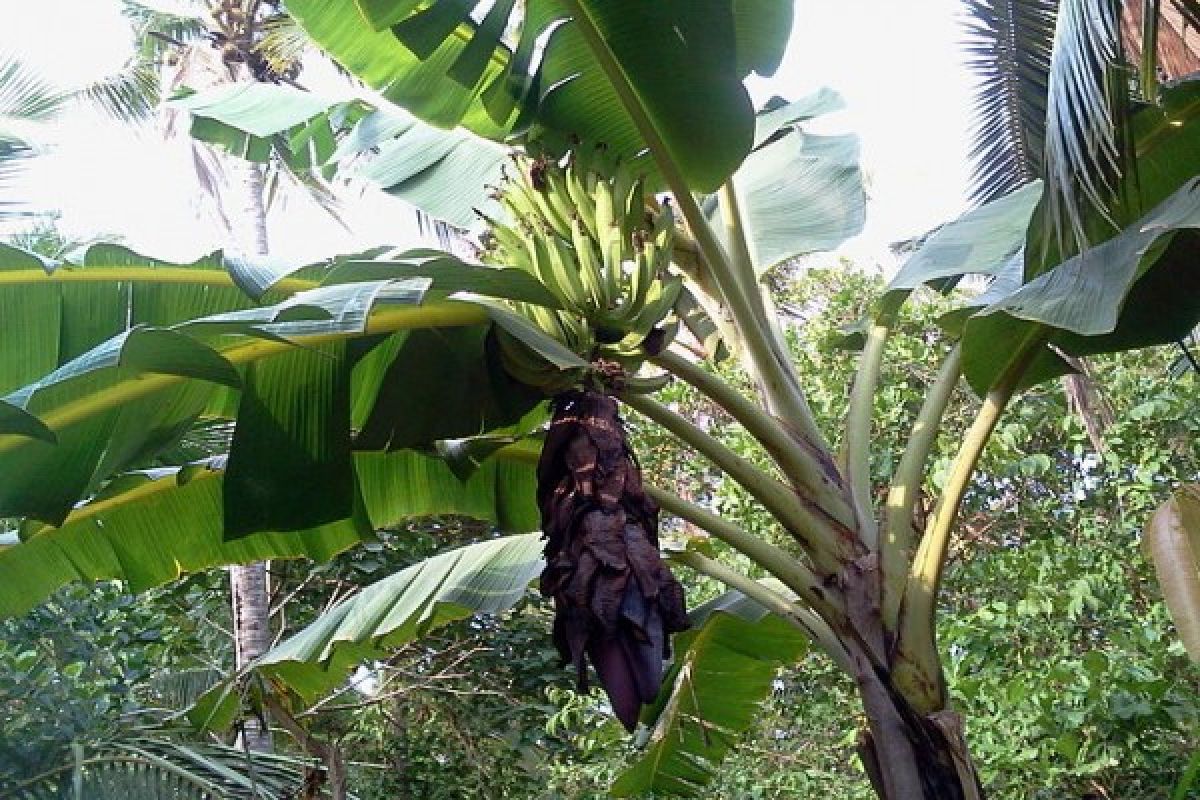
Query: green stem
column 857, row 447
column 445, row 314
column 794, row 574
column 802, row 618
column 917, row 671
column 818, row 534
column 899, row 535
column 802, row 469
column 768, row 359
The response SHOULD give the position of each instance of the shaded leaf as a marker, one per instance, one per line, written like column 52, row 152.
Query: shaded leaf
column 722, row 671
column 1172, row 540
column 487, row 577
column 1129, row 291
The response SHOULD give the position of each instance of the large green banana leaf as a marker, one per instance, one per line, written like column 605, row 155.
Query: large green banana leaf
column 722, row 670
column 549, row 66
column 1135, row 285
column 444, row 173
column 799, row 192
column 256, row 121
column 313, row 382
column 152, row 527
column 487, row 577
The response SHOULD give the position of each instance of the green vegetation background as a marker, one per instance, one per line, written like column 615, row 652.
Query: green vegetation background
column 1058, row 647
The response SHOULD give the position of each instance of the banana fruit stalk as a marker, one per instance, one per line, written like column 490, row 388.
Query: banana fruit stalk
column 581, row 227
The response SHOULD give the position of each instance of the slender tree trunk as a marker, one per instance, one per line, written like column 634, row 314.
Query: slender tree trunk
column 249, row 584
column 252, row 638
column 1086, row 398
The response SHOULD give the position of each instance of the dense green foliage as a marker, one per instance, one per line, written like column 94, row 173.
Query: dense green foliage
column 1058, row 648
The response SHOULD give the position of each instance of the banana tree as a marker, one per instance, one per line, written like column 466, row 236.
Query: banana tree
column 405, row 362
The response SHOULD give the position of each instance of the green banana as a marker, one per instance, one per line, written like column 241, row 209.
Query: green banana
column 565, row 268
column 591, row 241
column 590, row 268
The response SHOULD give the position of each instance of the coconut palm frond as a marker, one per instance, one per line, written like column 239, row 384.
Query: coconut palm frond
column 1008, row 45
column 26, row 103
column 130, row 95
column 157, row 26
column 283, row 44
column 1087, row 113
column 25, row 100
column 148, row 767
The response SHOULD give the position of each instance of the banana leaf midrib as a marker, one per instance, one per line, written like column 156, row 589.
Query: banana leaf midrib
column 387, row 320
column 137, row 274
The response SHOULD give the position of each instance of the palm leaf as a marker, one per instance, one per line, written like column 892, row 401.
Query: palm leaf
column 129, row 95
column 26, row 102
column 1008, row 44
column 1088, row 144
column 24, row 98
column 146, row 767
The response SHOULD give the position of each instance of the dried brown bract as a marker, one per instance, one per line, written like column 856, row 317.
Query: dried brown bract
column 616, row 602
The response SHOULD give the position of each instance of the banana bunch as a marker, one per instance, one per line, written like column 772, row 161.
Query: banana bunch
column 585, row 232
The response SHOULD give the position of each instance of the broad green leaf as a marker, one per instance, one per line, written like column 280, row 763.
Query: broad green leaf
column 779, row 114
column 289, row 464
column 487, row 577
column 259, row 109
column 450, row 275
column 681, row 59
column 446, row 174
column 684, row 61
column 150, row 528
column 157, row 528
column 150, row 375
column 980, row 242
column 723, row 669
column 799, row 193
column 1172, row 540
column 19, row 421
column 1136, row 289
column 406, row 484
column 257, row 120
column 113, row 438
column 443, row 384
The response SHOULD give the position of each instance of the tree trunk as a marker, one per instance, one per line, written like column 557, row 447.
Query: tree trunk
column 1085, row 398
column 908, row 756
column 251, row 638
column 249, row 583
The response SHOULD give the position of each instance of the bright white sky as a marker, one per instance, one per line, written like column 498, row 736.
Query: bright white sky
column 897, row 64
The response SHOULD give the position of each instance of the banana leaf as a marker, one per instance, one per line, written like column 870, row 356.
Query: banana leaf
column 487, row 577
column 722, row 670
column 451, row 66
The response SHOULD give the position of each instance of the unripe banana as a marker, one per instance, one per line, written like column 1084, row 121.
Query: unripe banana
column 565, row 269
column 581, row 196
column 590, row 266
column 646, row 384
